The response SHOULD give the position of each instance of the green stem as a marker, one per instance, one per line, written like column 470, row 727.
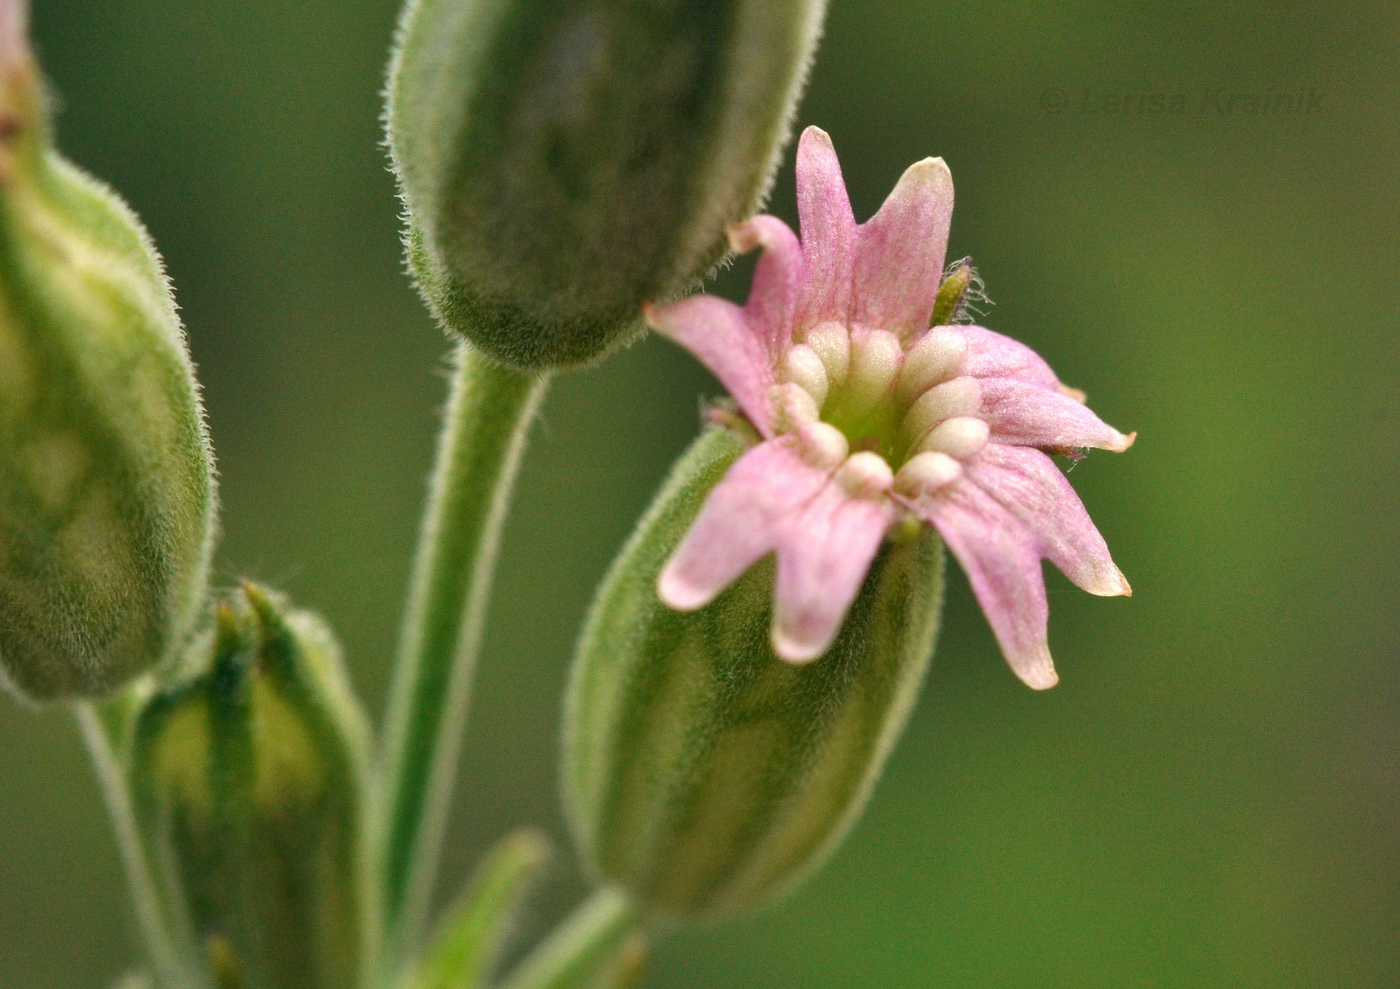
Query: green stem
column 101, row 730
column 478, row 457
column 599, row 945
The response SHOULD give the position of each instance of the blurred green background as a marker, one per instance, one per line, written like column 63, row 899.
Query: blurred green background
column 1212, row 795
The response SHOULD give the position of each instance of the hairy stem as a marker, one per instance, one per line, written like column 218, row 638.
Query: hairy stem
column 479, row 454
column 171, row 967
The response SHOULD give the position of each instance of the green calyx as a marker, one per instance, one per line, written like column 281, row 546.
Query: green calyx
column 564, row 161
column 106, row 477
column 250, row 784
column 703, row 774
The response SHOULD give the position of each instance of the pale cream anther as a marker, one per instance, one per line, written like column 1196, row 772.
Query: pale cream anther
column 832, row 343
column 924, row 474
column 959, row 397
column 875, row 359
column 822, row 445
column 803, row 367
column 961, row 437
column 865, row 475
column 793, row 407
column 939, row 355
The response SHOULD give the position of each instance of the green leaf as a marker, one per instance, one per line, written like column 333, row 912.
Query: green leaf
column 468, row 942
column 601, row 946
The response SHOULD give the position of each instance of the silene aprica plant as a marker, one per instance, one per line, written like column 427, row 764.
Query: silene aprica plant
column 571, row 172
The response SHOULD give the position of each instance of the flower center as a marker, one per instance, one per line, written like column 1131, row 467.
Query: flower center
column 884, row 415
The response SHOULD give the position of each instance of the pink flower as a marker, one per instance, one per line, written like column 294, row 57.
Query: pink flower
column 869, row 417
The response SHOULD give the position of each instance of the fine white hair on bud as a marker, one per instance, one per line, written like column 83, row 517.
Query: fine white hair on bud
column 925, row 474
column 961, row 437
column 804, row 367
column 832, row 343
column 938, row 355
column 959, row 397
column 865, row 475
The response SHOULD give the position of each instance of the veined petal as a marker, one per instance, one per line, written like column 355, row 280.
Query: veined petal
column 829, row 231
column 777, row 279
column 823, row 556
column 1002, row 563
column 1027, row 484
column 720, row 334
column 1028, row 414
column 741, row 522
column 992, row 355
column 900, row 256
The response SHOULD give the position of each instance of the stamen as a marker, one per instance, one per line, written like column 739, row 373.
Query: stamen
column 802, row 366
column 959, row 397
column 865, row 475
column 960, row 437
column 793, row 407
column 925, row 474
column 832, row 344
column 940, row 354
column 822, row 445
column 875, row 360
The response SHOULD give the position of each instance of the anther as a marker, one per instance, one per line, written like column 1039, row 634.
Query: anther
column 940, row 354
column 822, row 445
column 875, row 359
column 926, row 473
column 832, row 344
column 793, row 407
column 961, row 437
column 803, row 367
column 865, row 475
column 959, row 397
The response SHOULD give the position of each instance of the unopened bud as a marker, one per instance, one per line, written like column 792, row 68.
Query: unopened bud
column 250, row 793
column 564, row 161
column 106, row 483
column 704, row 775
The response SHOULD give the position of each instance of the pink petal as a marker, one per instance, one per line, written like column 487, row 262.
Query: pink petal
column 1027, row 484
column 900, row 257
column 777, row 279
column 741, row 522
column 1032, row 415
column 992, row 355
column 1002, row 563
column 823, row 556
column 829, row 231
column 720, row 334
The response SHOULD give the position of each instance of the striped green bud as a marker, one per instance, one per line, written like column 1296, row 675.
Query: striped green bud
column 564, row 161
column 250, row 791
column 703, row 774
column 106, row 478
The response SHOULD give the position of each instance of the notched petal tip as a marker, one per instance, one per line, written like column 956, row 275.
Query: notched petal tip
column 1124, row 441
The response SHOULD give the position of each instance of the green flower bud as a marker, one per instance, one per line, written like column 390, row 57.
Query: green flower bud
column 106, row 477
column 250, row 791
column 703, row 774
column 565, row 160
